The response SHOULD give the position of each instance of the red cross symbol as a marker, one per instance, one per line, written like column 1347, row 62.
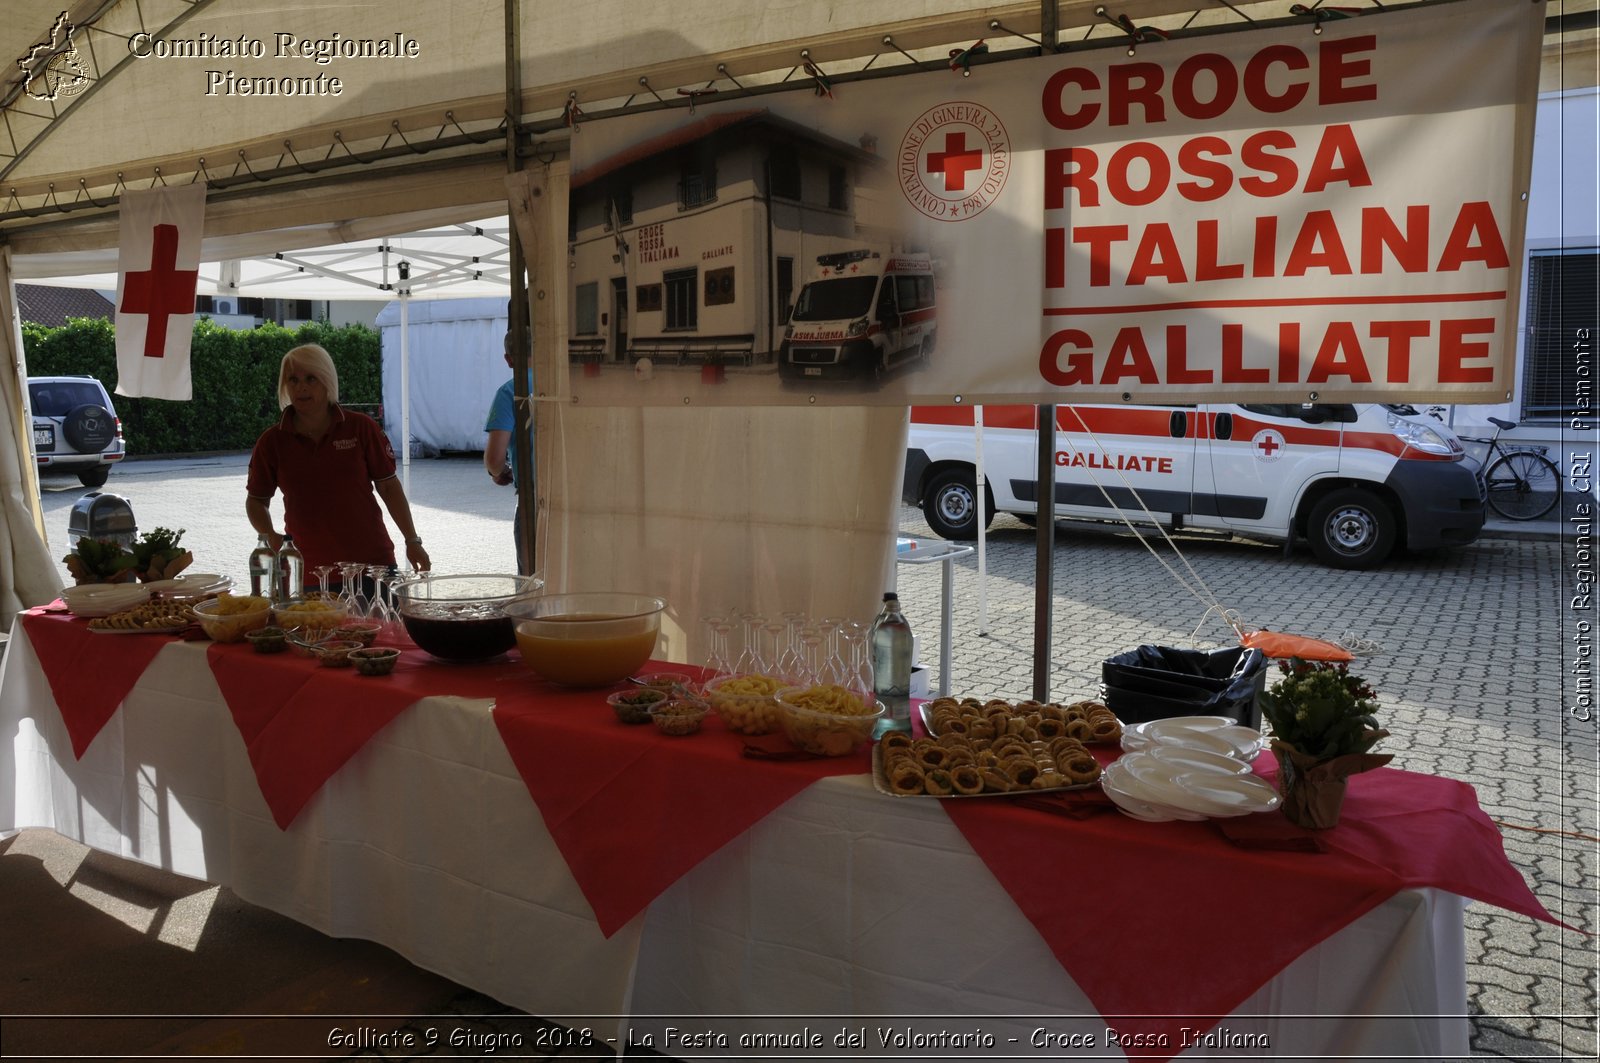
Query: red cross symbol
column 1268, row 444
column 954, row 161
column 161, row 290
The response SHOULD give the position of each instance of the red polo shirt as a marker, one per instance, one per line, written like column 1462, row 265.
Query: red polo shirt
column 328, row 502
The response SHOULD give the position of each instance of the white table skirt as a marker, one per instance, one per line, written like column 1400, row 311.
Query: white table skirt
column 840, row 903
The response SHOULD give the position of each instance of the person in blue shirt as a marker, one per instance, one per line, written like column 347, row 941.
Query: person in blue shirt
column 500, row 457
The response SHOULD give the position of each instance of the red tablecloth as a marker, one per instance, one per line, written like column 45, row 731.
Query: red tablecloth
column 301, row 722
column 89, row 672
column 632, row 809
column 1147, row 917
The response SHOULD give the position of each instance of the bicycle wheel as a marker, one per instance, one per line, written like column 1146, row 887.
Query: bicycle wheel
column 1523, row 485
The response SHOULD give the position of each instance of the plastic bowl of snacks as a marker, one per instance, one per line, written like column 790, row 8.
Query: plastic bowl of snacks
column 229, row 618
column 746, row 703
column 268, row 639
column 828, row 720
column 362, row 631
column 335, row 653
column 666, row 681
column 679, row 715
column 586, row 640
column 314, row 617
column 633, row 706
column 463, row 618
column 374, row 660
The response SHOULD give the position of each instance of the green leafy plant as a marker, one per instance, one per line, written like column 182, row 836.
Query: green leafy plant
column 1322, row 710
column 99, row 561
column 155, row 551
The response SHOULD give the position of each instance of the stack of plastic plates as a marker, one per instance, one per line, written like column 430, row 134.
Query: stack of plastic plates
column 1215, row 734
column 190, row 585
column 103, row 599
column 1149, row 786
column 1188, row 767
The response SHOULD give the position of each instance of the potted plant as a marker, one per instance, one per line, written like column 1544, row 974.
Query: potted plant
column 100, row 561
column 1324, row 723
column 158, row 556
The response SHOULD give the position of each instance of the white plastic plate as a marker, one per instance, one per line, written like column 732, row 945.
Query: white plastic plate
column 1242, row 794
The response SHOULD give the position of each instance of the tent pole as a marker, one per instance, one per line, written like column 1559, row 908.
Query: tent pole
column 1045, row 491
column 521, row 344
column 405, row 377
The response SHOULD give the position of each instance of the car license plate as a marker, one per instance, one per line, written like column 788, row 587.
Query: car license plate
column 813, row 370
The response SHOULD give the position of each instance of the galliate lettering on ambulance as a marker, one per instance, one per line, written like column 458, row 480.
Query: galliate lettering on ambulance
column 652, row 244
column 1103, row 266
column 1090, row 459
column 717, row 252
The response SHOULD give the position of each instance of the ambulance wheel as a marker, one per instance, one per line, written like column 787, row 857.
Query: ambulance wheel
column 1351, row 528
column 950, row 505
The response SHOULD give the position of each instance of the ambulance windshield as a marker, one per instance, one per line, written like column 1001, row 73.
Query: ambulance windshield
column 835, row 299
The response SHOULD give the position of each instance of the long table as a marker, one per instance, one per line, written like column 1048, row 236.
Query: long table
column 840, row 913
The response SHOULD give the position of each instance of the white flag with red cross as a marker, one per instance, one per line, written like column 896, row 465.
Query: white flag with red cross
column 158, row 265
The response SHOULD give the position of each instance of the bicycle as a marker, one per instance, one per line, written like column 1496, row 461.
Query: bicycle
column 1521, row 483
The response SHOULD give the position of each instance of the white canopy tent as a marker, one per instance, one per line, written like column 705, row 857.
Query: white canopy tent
column 313, row 126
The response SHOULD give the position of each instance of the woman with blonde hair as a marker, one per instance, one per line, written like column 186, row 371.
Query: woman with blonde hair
column 329, row 463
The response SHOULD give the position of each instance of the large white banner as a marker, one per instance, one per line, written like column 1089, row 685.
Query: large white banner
column 1267, row 215
column 158, row 263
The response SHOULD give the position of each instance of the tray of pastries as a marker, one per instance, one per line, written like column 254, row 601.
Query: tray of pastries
column 1087, row 721
column 955, row 765
column 156, row 617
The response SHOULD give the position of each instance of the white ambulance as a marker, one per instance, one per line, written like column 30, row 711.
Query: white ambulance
column 864, row 313
column 1353, row 481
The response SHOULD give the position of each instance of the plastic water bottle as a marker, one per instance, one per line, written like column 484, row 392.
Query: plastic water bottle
column 263, row 570
column 291, row 571
column 891, row 665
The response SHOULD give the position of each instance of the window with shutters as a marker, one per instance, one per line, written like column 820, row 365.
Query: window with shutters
column 1563, row 307
column 681, row 297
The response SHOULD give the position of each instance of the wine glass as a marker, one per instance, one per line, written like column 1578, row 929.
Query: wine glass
column 322, row 573
column 834, row 669
column 749, row 662
column 854, row 637
column 790, row 664
column 768, row 636
column 811, row 652
column 350, row 573
column 378, row 608
column 717, row 631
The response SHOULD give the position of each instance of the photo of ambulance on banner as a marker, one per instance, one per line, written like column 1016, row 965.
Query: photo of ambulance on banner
column 1277, row 214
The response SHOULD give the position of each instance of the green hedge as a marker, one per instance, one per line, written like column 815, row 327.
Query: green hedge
column 235, row 376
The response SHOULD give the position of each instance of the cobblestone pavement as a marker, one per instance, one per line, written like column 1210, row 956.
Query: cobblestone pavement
column 1475, row 675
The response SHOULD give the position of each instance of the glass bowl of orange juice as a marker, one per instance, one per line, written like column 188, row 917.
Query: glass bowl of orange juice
column 586, row 640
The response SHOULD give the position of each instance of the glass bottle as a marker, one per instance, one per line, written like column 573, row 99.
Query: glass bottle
column 291, row 581
column 263, row 570
column 891, row 665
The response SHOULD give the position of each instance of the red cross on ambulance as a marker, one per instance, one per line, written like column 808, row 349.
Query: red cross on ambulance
column 1268, row 445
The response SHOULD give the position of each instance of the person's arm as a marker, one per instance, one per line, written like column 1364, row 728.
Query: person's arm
column 260, row 516
column 394, row 499
column 494, row 456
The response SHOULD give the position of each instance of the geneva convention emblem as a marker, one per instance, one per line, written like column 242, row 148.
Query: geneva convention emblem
column 953, row 160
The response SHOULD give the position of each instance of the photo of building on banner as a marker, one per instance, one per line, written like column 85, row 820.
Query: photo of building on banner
column 1268, row 215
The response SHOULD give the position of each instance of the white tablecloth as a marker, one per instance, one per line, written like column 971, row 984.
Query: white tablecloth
column 841, row 910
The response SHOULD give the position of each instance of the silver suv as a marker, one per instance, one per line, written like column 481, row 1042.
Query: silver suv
column 75, row 427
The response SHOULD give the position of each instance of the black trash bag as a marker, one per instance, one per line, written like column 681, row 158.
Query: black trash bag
column 1155, row 682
